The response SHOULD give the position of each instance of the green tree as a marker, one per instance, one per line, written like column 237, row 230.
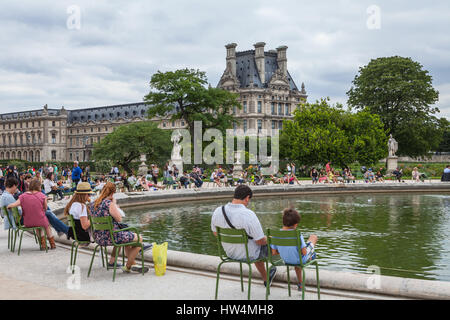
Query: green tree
column 125, row 144
column 320, row 133
column 400, row 91
column 444, row 146
column 182, row 94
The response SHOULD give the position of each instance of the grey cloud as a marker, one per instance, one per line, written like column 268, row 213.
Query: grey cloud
column 122, row 43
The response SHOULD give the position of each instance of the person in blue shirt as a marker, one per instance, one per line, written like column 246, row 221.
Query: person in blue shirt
column 76, row 173
column 289, row 254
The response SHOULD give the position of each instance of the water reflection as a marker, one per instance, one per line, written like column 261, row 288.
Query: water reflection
column 395, row 232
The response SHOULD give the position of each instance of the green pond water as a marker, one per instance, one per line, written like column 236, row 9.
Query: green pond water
column 406, row 235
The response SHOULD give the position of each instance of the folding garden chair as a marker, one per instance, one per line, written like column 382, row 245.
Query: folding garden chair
column 75, row 243
column 106, row 223
column 235, row 236
column 289, row 238
column 11, row 230
column 21, row 228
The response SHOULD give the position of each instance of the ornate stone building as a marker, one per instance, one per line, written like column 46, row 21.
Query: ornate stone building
column 268, row 94
column 65, row 135
column 34, row 135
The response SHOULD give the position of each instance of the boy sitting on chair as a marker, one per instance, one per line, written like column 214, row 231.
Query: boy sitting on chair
column 289, row 254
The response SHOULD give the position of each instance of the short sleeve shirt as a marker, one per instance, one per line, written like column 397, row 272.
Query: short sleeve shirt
column 77, row 210
column 289, row 254
column 241, row 218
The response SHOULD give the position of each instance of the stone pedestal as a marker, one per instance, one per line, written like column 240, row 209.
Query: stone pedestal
column 237, row 167
column 142, row 171
column 391, row 163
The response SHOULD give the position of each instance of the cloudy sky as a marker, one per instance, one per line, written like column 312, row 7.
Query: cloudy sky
column 106, row 54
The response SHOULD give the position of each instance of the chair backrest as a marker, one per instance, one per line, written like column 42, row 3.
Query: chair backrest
column 284, row 238
column 231, row 236
column 102, row 224
column 17, row 217
column 72, row 225
column 6, row 214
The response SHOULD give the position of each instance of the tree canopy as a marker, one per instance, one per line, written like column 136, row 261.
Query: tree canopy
column 320, row 133
column 125, row 144
column 400, row 92
column 182, row 94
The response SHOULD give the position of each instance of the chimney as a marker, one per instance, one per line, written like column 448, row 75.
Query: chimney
column 231, row 57
column 260, row 60
column 282, row 59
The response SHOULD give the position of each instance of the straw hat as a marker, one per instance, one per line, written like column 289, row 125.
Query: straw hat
column 84, row 188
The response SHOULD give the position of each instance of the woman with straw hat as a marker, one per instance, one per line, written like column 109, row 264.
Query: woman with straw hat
column 78, row 209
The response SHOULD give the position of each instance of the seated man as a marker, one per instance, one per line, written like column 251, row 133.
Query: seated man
column 195, row 177
column 289, row 254
column 398, row 173
column 236, row 215
column 183, row 180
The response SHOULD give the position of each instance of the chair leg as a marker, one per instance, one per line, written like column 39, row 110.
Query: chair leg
column 115, row 266
column 142, row 258
column 289, row 281
column 217, row 279
column 9, row 237
column 303, row 283
column 71, row 254
column 318, row 282
column 35, row 237
column 106, row 256
column 45, row 237
column 92, row 259
column 103, row 261
column 20, row 243
column 15, row 239
column 267, row 283
column 75, row 256
column 123, row 254
column 249, row 279
column 242, row 278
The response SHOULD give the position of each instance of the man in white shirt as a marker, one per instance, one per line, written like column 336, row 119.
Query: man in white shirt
column 240, row 217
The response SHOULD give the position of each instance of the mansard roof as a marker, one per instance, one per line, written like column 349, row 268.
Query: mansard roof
column 246, row 70
column 109, row 113
column 28, row 114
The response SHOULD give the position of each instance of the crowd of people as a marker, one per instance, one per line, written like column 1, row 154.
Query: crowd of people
column 32, row 204
column 61, row 183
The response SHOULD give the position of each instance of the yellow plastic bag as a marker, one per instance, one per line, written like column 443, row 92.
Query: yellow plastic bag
column 160, row 258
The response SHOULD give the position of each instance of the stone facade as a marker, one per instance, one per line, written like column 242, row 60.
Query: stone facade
column 65, row 135
column 267, row 92
column 34, row 135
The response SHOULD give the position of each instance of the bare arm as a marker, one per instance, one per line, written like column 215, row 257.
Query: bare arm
column 14, row 205
column 114, row 211
column 85, row 224
column 262, row 241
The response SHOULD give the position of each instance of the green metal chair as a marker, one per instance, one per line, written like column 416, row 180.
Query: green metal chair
column 75, row 243
column 289, row 238
column 106, row 223
column 11, row 230
column 21, row 227
column 234, row 236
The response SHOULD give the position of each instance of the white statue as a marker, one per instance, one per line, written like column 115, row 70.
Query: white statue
column 176, row 151
column 392, row 146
